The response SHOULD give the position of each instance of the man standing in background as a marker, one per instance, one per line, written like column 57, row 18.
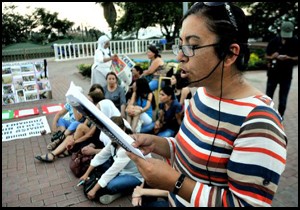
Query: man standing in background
column 282, row 54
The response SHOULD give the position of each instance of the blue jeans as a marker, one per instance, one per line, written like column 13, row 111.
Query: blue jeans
column 71, row 126
column 284, row 88
column 167, row 133
column 149, row 129
column 159, row 203
column 106, row 165
column 123, row 184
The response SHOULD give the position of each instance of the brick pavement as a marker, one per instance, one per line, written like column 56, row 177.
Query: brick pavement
column 27, row 182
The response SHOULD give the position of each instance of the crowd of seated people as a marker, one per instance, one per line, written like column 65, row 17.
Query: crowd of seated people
column 138, row 111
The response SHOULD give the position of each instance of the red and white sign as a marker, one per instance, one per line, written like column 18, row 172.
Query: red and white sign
column 26, row 112
column 52, row 108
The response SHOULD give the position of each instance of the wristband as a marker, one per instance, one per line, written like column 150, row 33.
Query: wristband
column 178, row 184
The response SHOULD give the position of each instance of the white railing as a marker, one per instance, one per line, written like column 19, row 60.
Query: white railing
column 72, row 51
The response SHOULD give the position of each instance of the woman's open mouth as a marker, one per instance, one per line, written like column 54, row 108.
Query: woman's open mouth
column 183, row 73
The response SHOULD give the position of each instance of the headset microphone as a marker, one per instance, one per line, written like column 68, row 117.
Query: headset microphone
column 208, row 75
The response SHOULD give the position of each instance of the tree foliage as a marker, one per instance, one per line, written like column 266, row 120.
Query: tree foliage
column 266, row 17
column 15, row 28
column 37, row 26
column 139, row 15
column 110, row 14
column 50, row 22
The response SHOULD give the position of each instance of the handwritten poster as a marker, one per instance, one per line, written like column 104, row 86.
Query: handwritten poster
column 25, row 128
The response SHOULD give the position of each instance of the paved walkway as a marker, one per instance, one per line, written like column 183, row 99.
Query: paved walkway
column 28, row 182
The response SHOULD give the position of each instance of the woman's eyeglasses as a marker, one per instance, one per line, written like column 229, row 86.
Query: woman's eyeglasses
column 189, row 50
column 227, row 7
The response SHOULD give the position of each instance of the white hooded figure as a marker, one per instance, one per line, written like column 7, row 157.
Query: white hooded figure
column 102, row 62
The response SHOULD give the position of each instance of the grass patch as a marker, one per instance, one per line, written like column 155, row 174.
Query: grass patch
column 29, row 44
column 23, row 45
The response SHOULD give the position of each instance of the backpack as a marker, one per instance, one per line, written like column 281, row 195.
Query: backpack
column 92, row 181
column 94, row 176
column 79, row 163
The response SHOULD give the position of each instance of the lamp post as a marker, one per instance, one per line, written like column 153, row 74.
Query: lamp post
column 82, row 32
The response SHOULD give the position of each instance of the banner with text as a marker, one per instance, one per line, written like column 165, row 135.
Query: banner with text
column 25, row 128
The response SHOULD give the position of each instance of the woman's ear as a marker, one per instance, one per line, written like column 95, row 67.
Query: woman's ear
column 232, row 56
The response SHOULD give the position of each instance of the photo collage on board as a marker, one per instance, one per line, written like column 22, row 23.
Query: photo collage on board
column 24, row 82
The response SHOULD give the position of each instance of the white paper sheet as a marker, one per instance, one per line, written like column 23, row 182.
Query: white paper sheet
column 82, row 104
column 25, row 128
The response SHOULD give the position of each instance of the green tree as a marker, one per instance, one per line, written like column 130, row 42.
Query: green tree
column 266, row 17
column 63, row 26
column 41, row 25
column 15, row 28
column 167, row 15
column 95, row 33
column 110, row 14
column 49, row 22
column 130, row 23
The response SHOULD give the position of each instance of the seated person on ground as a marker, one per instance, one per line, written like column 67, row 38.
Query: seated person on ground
column 169, row 117
column 156, row 68
column 110, row 110
column 96, row 87
column 84, row 135
column 181, row 90
column 120, row 178
column 137, row 71
column 141, row 105
column 114, row 92
column 63, row 126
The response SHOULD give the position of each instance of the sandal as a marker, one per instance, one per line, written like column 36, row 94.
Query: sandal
column 53, row 145
column 62, row 137
column 66, row 153
column 56, row 135
column 46, row 158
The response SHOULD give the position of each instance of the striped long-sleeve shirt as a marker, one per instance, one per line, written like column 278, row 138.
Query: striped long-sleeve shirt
column 241, row 163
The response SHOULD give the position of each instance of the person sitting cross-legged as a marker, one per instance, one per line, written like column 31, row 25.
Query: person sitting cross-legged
column 115, row 92
column 169, row 117
column 65, row 123
column 140, row 106
column 120, row 178
column 84, row 135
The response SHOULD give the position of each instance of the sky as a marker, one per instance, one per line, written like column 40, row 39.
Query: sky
column 87, row 14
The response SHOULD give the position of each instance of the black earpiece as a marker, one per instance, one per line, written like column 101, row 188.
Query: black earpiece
column 223, row 49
